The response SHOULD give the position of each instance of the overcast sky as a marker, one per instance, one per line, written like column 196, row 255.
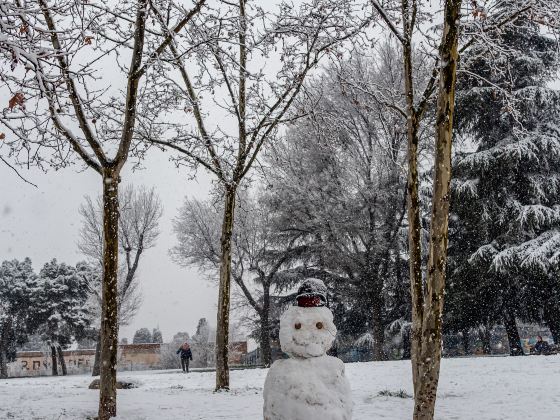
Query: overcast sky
column 43, row 223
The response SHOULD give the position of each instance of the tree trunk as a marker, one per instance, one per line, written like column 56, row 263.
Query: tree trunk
column 485, row 334
column 466, row 338
column 222, row 328
column 413, row 215
column 552, row 320
column 3, row 350
column 54, row 364
column 109, row 307
column 378, row 331
column 266, row 351
column 512, row 332
column 406, row 344
column 430, row 355
column 3, row 362
column 61, row 361
column 97, row 360
column 554, row 331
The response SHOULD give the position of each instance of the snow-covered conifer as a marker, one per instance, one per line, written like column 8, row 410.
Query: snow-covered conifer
column 18, row 288
column 505, row 238
column 61, row 306
column 142, row 336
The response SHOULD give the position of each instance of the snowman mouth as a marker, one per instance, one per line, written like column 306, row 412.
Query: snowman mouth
column 297, row 342
column 312, row 349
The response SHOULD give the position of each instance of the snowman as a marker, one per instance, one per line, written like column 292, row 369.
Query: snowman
column 309, row 385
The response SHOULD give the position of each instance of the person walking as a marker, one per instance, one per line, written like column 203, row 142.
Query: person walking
column 186, row 355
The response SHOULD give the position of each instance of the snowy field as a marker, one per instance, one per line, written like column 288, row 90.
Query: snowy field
column 474, row 388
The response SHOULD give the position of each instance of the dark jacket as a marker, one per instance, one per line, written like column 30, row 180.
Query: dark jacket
column 542, row 347
column 185, row 354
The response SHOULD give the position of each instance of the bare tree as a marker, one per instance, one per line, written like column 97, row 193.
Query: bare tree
column 140, row 212
column 259, row 264
column 370, row 142
column 428, row 293
column 238, row 53
column 61, row 107
column 257, row 259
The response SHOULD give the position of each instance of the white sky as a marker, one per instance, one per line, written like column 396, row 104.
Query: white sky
column 43, row 223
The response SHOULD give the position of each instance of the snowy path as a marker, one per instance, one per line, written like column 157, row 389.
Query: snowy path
column 477, row 388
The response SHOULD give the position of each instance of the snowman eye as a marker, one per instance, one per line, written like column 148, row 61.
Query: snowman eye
column 319, row 325
column 297, row 326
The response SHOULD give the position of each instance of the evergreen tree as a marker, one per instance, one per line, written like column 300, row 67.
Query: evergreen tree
column 62, row 308
column 181, row 337
column 142, row 336
column 18, row 288
column 202, row 344
column 156, row 336
column 505, row 231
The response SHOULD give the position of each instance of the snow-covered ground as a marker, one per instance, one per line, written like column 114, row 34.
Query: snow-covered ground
column 470, row 388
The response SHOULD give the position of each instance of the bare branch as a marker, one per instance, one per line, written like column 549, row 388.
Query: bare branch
column 170, row 36
column 71, row 86
column 132, row 86
column 388, row 21
column 16, row 171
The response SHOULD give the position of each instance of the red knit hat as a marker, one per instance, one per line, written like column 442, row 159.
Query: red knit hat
column 312, row 293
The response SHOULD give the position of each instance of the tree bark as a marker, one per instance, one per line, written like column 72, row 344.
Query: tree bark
column 3, row 362
column 266, row 350
column 109, row 307
column 413, row 212
column 512, row 332
column 406, row 345
column 3, row 350
column 61, row 361
column 485, row 334
column 466, row 339
column 430, row 355
column 97, row 360
column 552, row 320
column 54, row 365
column 222, row 328
column 378, row 331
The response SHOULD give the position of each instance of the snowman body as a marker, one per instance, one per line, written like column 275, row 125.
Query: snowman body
column 310, row 385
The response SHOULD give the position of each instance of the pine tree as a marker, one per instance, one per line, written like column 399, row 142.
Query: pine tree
column 156, row 336
column 505, row 236
column 62, row 308
column 202, row 345
column 142, row 336
column 18, row 286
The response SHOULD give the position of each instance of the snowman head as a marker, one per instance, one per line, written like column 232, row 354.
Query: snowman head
column 307, row 330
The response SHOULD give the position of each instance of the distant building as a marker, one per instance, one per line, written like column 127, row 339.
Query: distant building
column 143, row 356
column 237, row 352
